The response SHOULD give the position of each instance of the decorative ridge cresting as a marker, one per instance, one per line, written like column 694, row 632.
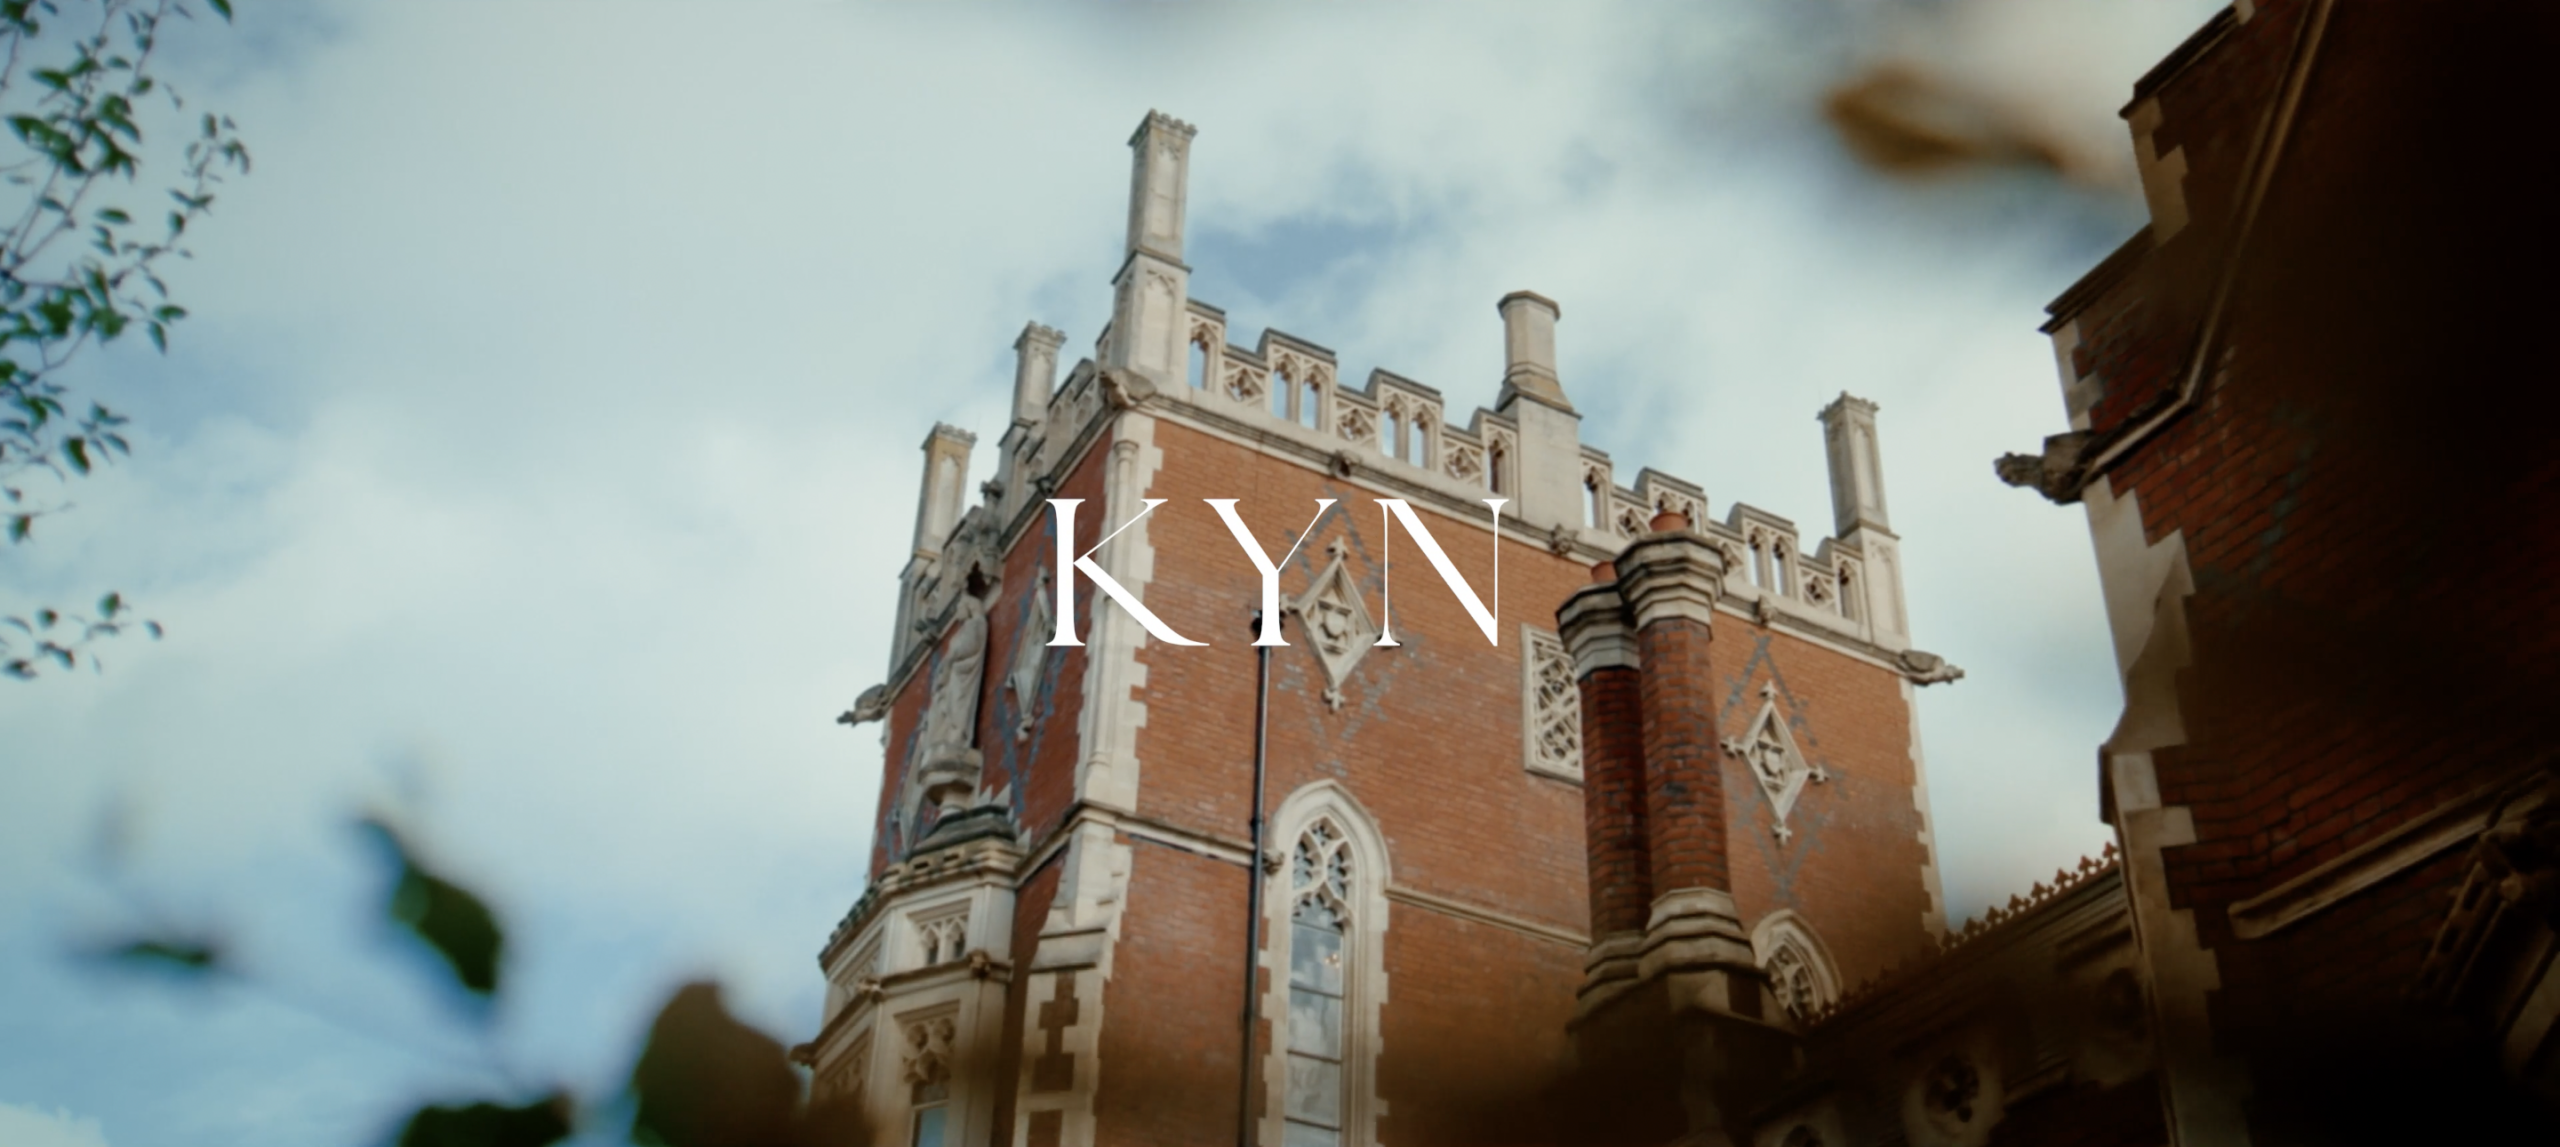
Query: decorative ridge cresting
column 1947, row 944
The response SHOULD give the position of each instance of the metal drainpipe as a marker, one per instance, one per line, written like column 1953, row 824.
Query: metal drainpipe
column 1255, row 876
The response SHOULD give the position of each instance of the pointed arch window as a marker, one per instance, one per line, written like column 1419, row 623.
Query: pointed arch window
column 1319, row 926
column 1801, row 974
column 1327, row 917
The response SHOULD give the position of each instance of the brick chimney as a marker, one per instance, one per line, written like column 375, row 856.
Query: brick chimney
column 1593, row 623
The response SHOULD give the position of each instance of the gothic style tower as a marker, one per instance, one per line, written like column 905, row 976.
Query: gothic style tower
column 1500, row 839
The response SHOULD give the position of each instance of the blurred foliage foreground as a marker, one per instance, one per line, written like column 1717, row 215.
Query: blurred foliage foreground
column 703, row 1079
column 83, row 239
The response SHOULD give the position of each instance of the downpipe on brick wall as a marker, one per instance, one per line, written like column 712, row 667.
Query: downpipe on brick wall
column 1254, row 875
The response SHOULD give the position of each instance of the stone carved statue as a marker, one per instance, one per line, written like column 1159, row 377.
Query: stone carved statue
column 947, row 770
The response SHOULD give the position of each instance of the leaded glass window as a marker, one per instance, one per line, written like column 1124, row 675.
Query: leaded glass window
column 1319, row 929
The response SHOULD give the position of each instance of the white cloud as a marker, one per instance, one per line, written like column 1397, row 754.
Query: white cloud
column 36, row 1127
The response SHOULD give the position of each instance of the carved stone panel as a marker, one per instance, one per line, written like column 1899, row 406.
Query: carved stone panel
column 1775, row 762
column 1337, row 622
column 1550, row 706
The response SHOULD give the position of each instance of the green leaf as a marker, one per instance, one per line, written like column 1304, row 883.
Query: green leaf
column 114, row 215
column 222, row 6
column 536, row 1124
column 182, row 955
column 46, row 617
column 19, row 524
column 449, row 918
column 111, row 605
column 154, row 628
column 77, row 449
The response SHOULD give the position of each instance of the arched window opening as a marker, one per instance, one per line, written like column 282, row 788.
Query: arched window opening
column 1311, row 414
column 1320, row 881
column 1391, row 432
column 1799, row 969
column 1420, row 452
column 1280, row 392
column 1778, row 579
column 1199, row 371
column 1849, row 590
column 1592, row 513
column 1495, row 460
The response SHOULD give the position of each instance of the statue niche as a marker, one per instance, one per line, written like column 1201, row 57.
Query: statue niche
column 948, row 768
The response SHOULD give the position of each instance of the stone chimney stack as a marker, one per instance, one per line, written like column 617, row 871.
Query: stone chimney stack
column 1035, row 372
column 1529, row 350
column 1550, row 462
column 1148, row 312
column 1858, row 517
column 1857, row 472
column 946, row 480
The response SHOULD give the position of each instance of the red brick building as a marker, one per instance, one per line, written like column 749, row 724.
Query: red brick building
column 2293, row 402
column 1652, row 864
column 1053, row 946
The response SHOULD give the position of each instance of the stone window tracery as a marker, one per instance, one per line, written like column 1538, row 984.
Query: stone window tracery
column 1800, row 973
column 1319, row 923
column 1550, row 706
column 942, row 939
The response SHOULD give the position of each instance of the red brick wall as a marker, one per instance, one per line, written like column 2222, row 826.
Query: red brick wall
column 1174, row 1011
column 1852, row 865
column 1475, row 1032
column 2366, row 491
column 1428, row 737
column 1621, row 874
column 1684, row 806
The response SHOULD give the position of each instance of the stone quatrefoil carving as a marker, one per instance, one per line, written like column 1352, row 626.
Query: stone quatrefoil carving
column 1775, row 762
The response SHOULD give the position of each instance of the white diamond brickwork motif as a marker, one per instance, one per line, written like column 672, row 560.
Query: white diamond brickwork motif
column 1337, row 622
column 1775, row 763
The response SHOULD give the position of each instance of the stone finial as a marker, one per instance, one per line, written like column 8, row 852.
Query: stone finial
column 1159, row 182
column 1035, row 371
column 1529, row 350
column 1857, row 470
column 945, row 485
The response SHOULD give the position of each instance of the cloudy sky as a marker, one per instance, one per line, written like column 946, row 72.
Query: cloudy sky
column 539, row 457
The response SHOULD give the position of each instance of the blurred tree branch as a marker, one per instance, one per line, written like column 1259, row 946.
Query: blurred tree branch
column 79, row 263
